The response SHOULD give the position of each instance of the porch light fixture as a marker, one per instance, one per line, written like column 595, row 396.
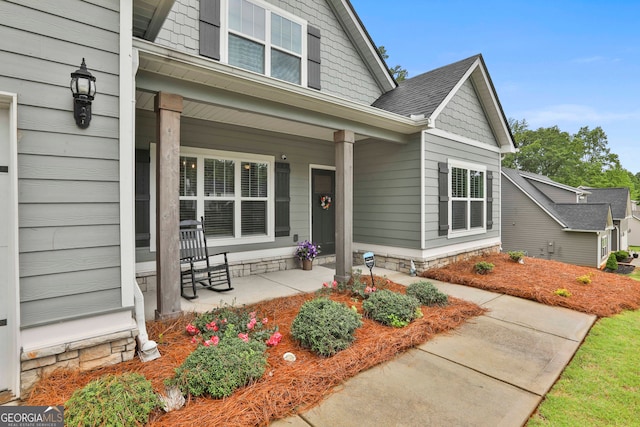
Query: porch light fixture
column 83, row 87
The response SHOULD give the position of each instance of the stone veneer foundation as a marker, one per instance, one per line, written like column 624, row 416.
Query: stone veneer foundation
column 84, row 355
column 403, row 264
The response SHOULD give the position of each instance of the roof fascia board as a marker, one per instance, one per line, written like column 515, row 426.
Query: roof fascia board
column 556, row 219
column 362, row 41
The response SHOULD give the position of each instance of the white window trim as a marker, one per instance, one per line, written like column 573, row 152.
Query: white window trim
column 470, row 231
column 200, row 154
column 224, row 38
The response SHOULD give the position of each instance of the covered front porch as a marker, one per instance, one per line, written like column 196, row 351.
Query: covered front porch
column 196, row 113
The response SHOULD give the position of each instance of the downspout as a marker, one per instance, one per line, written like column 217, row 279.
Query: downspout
column 147, row 349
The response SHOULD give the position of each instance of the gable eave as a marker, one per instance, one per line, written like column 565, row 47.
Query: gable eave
column 479, row 76
column 148, row 17
column 359, row 36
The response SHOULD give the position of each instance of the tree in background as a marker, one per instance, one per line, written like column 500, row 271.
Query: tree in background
column 397, row 72
column 583, row 158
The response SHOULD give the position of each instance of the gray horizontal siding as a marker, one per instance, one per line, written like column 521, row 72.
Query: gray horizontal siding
column 44, row 311
column 67, row 214
column 38, row 239
column 526, row 227
column 386, row 201
column 439, row 149
column 77, row 282
column 68, row 185
column 68, row 145
column 557, row 195
column 67, row 168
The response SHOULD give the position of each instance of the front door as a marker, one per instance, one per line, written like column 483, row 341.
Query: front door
column 323, row 219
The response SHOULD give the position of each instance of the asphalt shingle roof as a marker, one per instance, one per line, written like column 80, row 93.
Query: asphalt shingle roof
column 616, row 197
column 575, row 216
column 424, row 93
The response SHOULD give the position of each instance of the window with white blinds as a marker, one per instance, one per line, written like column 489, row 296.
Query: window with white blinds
column 234, row 192
column 467, row 198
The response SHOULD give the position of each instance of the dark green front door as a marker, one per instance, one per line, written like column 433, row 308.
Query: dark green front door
column 322, row 217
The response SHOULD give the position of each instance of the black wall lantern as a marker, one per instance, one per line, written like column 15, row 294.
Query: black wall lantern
column 83, row 87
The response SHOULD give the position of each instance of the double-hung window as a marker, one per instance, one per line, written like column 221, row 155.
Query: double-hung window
column 467, row 186
column 266, row 40
column 234, row 192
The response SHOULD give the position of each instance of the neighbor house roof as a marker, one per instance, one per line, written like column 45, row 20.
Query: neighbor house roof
column 546, row 180
column 428, row 94
column 571, row 216
column 618, row 198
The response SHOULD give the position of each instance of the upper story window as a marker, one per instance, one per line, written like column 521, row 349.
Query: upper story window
column 467, row 198
column 266, row 40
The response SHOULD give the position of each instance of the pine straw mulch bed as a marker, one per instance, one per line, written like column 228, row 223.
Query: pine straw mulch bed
column 287, row 387
column 537, row 279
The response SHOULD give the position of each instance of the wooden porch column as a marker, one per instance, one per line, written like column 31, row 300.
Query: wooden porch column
column 344, row 140
column 168, row 108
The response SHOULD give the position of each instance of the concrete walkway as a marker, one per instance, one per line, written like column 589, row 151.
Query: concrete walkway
column 493, row 371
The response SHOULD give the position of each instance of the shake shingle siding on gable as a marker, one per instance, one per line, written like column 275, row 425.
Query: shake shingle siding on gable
column 343, row 72
column 68, row 180
column 465, row 116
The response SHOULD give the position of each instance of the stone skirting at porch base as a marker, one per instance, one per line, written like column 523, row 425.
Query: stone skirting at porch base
column 403, row 264
column 147, row 280
column 85, row 355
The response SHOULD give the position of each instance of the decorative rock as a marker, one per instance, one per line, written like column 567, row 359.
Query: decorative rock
column 173, row 400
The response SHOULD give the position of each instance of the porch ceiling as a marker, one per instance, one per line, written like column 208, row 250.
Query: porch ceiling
column 221, row 93
column 216, row 113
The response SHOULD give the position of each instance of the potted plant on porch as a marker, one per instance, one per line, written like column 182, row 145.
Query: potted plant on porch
column 306, row 252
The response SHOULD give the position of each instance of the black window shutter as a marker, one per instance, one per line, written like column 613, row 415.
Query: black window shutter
column 210, row 28
column 489, row 200
column 443, row 199
column 313, row 57
column 282, row 199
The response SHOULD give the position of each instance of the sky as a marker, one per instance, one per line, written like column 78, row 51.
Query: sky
column 564, row 63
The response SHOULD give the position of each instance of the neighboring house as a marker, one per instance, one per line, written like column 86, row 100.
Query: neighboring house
column 246, row 112
column 634, row 225
column 620, row 201
column 554, row 221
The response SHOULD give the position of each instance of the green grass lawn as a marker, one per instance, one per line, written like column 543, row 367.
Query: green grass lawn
column 601, row 385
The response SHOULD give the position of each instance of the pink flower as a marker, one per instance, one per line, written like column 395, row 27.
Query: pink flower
column 194, row 340
column 325, row 285
column 265, row 321
column 252, row 314
column 369, row 289
column 334, row 284
column 191, row 329
column 243, row 337
column 274, row 339
column 212, row 326
column 213, row 341
column 251, row 323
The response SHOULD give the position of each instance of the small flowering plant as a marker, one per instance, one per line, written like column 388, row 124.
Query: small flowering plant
column 307, row 251
column 209, row 328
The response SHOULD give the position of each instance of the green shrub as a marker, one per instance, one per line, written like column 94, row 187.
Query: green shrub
column 562, row 292
column 113, row 400
column 427, row 294
column 391, row 308
column 215, row 322
column 612, row 262
column 483, row 267
column 221, row 369
column 325, row 326
column 585, row 279
column 516, row 256
column 621, row 255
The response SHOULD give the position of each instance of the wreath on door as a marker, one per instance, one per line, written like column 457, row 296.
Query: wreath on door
column 325, row 202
